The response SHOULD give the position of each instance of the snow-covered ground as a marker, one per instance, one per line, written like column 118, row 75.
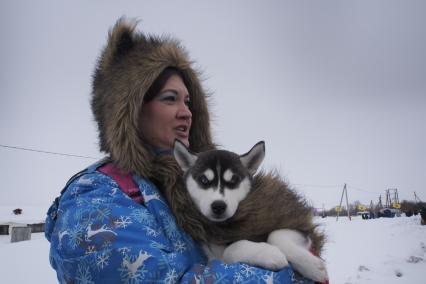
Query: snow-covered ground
column 386, row 250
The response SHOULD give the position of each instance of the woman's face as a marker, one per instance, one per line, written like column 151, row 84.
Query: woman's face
column 167, row 116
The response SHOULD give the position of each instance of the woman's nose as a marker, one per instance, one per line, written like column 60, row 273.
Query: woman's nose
column 184, row 112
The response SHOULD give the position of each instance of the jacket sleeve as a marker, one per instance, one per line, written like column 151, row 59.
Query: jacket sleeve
column 102, row 236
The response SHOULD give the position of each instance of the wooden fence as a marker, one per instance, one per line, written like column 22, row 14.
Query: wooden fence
column 37, row 228
column 20, row 232
column 4, row 229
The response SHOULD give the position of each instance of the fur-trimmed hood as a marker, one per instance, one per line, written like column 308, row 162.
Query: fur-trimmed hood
column 127, row 67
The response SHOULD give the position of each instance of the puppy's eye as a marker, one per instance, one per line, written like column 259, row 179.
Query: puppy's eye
column 203, row 180
column 235, row 179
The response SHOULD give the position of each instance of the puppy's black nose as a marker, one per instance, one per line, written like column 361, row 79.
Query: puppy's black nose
column 218, row 207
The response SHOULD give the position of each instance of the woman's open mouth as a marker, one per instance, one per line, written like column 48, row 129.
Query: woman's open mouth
column 182, row 131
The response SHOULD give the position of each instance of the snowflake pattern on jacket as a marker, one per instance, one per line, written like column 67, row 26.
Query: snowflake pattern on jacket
column 100, row 235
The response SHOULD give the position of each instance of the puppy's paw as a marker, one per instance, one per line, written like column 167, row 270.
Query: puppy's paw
column 271, row 258
column 313, row 268
column 258, row 254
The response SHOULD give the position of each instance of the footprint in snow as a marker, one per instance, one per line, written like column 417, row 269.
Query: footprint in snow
column 398, row 273
column 423, row 247
column 414, row 259
column 363, row 268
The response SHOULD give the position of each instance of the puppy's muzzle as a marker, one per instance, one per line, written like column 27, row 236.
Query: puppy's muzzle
column 218, row 208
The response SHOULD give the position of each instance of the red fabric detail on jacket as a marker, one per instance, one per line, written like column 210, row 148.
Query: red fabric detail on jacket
column 124, row 181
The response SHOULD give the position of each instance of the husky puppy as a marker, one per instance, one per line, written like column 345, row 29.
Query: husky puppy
column 248, row 218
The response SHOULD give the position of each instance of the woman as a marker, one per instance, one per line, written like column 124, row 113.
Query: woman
column 111, row 223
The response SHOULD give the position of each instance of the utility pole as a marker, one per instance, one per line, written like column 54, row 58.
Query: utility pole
column 372, row 211
column 379, row 204
column 396, row 198
column 392, row 202
column 344, row 192
column 416, row 198
column 388, row 199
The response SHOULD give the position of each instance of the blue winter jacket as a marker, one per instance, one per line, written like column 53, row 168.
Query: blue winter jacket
column 100, row 235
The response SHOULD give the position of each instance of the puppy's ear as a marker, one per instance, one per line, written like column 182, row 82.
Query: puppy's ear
column 183, row 156
column 121, row 39
column 253, row 158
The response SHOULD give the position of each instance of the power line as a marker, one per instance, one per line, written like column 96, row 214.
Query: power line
column 359, row 189
column 94, row 158
column 47, row 152
column 315, row 185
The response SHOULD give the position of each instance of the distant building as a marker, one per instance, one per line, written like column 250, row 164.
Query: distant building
column 6, row 228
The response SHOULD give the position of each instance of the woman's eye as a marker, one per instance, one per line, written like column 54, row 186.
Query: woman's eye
column 235, row 179
column 169, row 98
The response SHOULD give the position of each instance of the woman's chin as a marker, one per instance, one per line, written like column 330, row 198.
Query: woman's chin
column 184, row 140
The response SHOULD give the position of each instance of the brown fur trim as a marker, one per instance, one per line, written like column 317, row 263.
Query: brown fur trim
column 127, row 67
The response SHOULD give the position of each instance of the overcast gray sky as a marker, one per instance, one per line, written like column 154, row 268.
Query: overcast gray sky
column 336, row 89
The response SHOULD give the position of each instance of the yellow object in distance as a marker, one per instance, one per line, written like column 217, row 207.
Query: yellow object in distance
column 361, row 207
